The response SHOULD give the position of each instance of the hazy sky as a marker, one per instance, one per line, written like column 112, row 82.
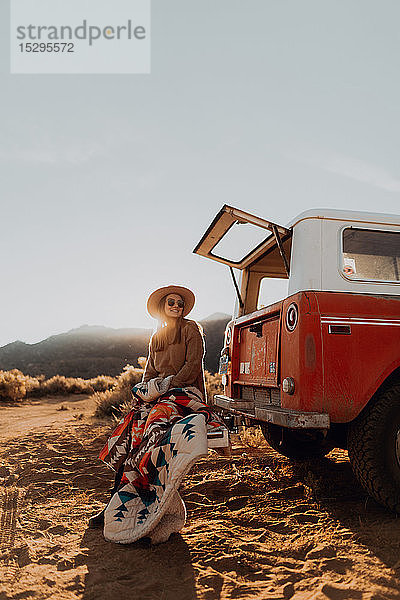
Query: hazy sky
column 109, row 181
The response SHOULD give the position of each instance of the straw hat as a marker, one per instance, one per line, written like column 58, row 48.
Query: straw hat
column 154, row 299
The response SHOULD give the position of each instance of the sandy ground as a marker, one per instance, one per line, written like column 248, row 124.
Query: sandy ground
column 258, row 526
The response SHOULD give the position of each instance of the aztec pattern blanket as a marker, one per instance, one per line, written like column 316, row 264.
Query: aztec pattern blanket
column 156, row 445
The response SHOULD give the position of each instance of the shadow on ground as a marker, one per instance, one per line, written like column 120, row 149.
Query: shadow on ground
column 137, row 570
column 338, row 493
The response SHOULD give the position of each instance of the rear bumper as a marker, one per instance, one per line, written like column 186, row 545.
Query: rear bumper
column 293, row 419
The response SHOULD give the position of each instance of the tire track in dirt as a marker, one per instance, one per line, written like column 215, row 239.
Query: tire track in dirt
column 11, row 499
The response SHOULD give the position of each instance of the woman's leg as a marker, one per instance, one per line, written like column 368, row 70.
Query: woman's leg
column 117, row 480
column 122, row 436
column 97, row 520
column 163, row 412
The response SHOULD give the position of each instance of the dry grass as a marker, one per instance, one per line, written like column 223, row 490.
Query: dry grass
column 15, row 386
column 116, row 401
column 252, row 437
column 101, row 383
column 213, row 385
column 112, row 394
column 142, row 361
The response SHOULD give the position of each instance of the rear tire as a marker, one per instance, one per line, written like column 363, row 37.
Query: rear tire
column 297, row 444
column 374, row 447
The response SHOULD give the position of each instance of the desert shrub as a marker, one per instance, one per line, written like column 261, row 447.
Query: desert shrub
column 34, row 386
column 142, row 360
column 55, row 386
column 111, row 392
column 76, row 385
column 116, row 401
column 12, row 385
column 213, row 385
column 101, row 383
column 63, row 386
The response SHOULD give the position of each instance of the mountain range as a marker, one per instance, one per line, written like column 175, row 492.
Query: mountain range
column 89, row 351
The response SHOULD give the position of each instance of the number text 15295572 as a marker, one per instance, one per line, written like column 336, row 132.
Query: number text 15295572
column 47, row 47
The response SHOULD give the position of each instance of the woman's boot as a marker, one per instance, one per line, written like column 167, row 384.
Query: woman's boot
column 97, row 520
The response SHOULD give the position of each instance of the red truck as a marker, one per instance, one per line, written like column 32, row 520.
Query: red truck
column 320, row 368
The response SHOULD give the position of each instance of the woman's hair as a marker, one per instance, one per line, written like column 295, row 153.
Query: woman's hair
column 167, row 333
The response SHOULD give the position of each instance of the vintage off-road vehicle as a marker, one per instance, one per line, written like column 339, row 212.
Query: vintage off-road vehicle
column 321, row 367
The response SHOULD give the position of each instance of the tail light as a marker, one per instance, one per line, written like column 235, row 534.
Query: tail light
column 288, row 385
column 292, row 316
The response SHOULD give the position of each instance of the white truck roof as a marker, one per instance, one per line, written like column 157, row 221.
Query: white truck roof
column 310, row 248
column 317, row 251
column 346, row 215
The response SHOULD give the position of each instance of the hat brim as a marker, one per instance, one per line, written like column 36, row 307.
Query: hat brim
column 154, row 299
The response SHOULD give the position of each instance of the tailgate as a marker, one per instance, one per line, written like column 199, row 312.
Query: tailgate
column 256, row 354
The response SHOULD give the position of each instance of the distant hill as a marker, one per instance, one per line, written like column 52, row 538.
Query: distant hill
column 93, row 350
column 217, row 317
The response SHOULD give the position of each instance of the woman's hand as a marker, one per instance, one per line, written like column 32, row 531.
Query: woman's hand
column 151, row 390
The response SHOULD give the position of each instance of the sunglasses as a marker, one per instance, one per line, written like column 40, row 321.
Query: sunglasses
column 172, row 302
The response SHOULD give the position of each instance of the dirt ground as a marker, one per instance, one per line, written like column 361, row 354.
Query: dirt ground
column 258, row 526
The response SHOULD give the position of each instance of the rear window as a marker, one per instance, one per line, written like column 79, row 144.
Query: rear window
column 240, row 239
column 371, row 255
column 272, row 290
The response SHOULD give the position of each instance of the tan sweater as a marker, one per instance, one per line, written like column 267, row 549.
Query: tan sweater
column 184, row 361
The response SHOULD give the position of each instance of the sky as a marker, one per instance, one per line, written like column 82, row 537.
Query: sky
column 109, row 181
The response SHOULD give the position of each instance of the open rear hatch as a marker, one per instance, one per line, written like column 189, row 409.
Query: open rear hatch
column 262, row 249
column 229, row 242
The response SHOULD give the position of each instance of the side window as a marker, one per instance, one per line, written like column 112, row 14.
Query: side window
column 271, row 290
column 371, row 255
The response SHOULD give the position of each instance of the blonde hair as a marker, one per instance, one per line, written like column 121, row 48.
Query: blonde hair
column 168, row 333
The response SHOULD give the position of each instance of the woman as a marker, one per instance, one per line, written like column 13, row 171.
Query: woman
column 154, row 446
column 177, row 348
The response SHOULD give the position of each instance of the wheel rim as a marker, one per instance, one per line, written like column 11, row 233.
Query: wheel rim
column 398, row 447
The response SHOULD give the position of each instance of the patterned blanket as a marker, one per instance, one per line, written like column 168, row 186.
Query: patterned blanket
column 156, row 445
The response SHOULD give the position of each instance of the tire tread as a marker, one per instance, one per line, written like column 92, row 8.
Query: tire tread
column 364, row 452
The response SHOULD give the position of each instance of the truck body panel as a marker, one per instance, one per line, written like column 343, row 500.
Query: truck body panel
column 345, row 286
